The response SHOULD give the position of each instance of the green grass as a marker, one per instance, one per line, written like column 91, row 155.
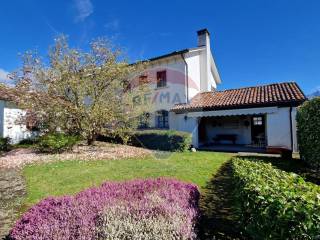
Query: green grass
column 69, row 177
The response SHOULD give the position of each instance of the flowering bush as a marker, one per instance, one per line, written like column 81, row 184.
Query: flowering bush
column 154, row 208
column 153, row 217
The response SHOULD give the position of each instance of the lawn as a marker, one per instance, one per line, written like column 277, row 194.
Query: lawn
column 69, row 177
column 209, row 170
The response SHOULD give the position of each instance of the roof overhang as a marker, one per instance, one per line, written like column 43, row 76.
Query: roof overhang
column 171, row 55
column 234, row 112
column 238, row 107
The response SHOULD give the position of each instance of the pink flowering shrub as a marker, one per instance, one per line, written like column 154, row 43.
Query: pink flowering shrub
column 149, row 218
column 138, row 209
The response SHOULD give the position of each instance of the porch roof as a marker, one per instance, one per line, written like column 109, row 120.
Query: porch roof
column 278, row 94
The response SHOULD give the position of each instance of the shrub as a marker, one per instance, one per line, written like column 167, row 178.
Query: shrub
column 56, row 142
column 112, row 210
column 111, row 138
column 164, row 140
column 4, row 144
column 308, row 123
column 275, row 204
column 28, row 142
column 153, row 217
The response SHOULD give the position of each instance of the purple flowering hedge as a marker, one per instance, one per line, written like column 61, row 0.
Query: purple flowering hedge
column 139, row 209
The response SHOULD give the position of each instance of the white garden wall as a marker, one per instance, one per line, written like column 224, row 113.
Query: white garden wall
column 278, row 128
column 11, row 125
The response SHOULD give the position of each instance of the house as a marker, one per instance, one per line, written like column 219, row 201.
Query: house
column 10, row 118
column 186, row 97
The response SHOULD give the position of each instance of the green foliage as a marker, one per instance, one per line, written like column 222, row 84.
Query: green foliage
column 164, row 140
column 56, row 142
column 308, row 120
column 84, row 92
column 27, row 143
column 4, row 144
column 274, row 204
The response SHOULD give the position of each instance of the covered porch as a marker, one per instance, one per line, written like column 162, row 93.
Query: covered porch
column 241, row 130
column 234, row 133
column 245, row 119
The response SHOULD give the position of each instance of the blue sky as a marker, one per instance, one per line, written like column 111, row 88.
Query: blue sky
column 253, row 41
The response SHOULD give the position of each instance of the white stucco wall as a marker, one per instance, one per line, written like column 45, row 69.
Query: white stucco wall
column 11, row 123
column 211, row 83
column 179, row 123
column 200, row 78
column 164, row 98
column 173, row 67
column 193, row 61
column 278, row 128
column 197, row 69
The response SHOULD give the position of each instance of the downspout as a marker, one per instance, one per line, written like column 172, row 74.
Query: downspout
column 291, row 134
column 187, row 78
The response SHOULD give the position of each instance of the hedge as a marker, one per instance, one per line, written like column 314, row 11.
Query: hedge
column 139, row 209
column 274, row 204
column 56, row 142
column 164, row 140
column 4, row 144
column 308, row 123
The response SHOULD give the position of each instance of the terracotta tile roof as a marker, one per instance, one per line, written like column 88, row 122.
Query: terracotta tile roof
column 278, row 94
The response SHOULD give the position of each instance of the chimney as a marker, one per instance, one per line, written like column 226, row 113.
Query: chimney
column 203, row 37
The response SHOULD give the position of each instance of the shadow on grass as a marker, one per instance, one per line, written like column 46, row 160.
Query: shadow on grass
column 294, row 165
column 218, row 204
column 219, row 218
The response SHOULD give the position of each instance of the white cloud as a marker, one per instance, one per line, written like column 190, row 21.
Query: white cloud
column 112, row 25
column 4, row 77
column 84, row 9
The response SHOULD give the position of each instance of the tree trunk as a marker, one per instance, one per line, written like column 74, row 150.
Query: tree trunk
column 91, row 139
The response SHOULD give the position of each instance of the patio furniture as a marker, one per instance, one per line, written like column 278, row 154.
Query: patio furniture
column 225, row 137
column 260, row 140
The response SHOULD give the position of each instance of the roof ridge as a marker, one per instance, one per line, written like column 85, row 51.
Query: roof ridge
column 263, row 85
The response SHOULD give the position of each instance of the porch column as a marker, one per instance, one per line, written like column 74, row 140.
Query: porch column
column 195, row 133
column 294, row 130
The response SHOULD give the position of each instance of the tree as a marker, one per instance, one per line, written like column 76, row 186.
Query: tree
column 77, row 92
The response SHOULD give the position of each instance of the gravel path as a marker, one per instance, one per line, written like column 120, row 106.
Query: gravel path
column 12, row 191
column 100, row 151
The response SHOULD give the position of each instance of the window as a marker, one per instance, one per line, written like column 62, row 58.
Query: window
column 162, row 118
column 257, row 121
column 161, row 79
